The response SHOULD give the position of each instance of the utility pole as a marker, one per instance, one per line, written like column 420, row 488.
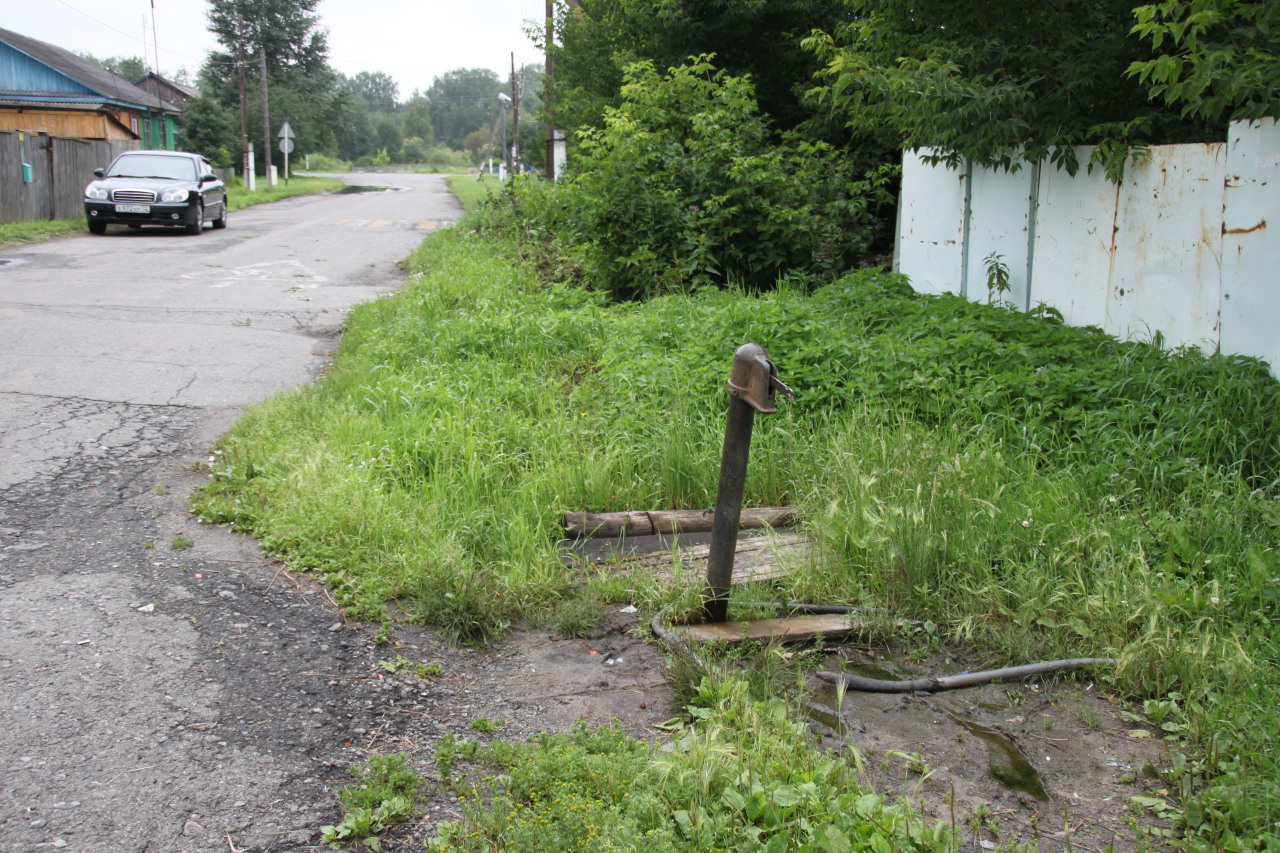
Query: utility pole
column 246, row 151
column 546, row 93
column 515, row 118
column 266, row 118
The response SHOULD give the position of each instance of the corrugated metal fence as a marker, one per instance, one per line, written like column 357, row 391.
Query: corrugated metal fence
column 59, row 170
column 1179, row 247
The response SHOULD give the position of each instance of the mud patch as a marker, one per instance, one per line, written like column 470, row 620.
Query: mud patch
column 1051, row 762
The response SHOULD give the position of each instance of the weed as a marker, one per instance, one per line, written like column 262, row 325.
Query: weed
column 486, row 726
column 181, row 543
column 384, row 794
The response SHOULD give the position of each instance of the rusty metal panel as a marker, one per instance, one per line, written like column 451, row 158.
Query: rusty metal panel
column 1166, row 267
column 1250, row 298
column 1000, row 205
column 931, row 215
column 1074, row 228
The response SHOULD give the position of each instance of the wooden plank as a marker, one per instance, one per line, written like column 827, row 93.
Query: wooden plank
column 579, row 525
column 791, row 628
column 760, row 558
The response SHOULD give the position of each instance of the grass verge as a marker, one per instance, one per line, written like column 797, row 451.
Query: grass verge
column 472, row 191
column 22, row 233
column 240, row 198
column 1034, row 490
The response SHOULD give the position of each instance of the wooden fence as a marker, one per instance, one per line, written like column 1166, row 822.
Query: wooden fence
column 59, row 169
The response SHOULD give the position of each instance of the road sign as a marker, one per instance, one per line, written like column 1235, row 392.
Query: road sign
column 286, row 132
column 286, row 145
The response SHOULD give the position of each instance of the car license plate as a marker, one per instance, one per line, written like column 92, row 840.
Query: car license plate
column 133, row 208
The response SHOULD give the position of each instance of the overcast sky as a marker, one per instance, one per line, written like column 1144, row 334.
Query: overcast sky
column 414, row 41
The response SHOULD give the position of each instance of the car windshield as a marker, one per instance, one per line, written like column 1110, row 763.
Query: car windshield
column 153, row 166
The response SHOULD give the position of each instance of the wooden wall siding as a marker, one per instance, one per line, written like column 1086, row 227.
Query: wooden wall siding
column 63, row 123
column 22, row 73
column 61, row 168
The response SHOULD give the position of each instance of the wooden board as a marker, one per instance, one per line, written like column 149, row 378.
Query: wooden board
column 648, row 523
column 759, row 558
column 791, row 628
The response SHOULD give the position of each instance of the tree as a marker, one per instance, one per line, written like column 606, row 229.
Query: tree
column 1224, row 57
column 288, row 30
column 210, row 129
column 998, row 83
column 131, row 68
column 597, row 39
column 379, row 91
column 302, row 86
column 387, row 136
column 416, row 118
column 460, row 101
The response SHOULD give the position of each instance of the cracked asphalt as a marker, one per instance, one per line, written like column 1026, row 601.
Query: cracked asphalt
column 137, row 712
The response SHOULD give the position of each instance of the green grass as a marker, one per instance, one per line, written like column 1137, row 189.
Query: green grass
column 240, row 198
column 746, row 779
column 22, row 233
column 1034, row 490
column 473, row 191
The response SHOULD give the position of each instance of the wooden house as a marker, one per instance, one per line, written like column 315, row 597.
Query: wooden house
column 47, row 90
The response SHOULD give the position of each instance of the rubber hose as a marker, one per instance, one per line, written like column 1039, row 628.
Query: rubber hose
column 952, row 682
column 874, row 685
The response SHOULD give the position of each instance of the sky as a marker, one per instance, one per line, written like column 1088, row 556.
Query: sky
column 414, row 41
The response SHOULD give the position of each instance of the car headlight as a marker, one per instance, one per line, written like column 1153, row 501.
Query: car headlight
column 174, row 195
column 96, row 192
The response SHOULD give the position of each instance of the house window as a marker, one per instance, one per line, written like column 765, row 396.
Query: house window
column 133, row 124
column 146, row 133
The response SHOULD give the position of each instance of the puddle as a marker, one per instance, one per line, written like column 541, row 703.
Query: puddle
column 11, row 262
column 362, row 188
column 867, row 670
column 1005, row 762
column 826, row 717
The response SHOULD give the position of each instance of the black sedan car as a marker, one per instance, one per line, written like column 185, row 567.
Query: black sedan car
column 156, row 188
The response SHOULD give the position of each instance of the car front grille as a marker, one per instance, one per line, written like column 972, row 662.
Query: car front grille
column 134, row 196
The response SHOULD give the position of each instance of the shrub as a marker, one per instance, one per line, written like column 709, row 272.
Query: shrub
column 684, row 188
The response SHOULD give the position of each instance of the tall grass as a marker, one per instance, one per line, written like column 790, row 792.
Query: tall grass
column 1035, row 490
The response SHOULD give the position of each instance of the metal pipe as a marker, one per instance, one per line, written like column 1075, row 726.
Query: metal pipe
column 724, row 523
column 751, row 386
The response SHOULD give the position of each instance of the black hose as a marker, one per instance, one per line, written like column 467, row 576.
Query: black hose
column 952, row 682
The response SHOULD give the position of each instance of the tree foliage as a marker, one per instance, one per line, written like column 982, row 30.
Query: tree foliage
column 302, row 88
column 377, row 89
column 598, row 39
column 1221, row 59
column 461, row 101
column 131, row 68
column 998, row 82
column 684, row 187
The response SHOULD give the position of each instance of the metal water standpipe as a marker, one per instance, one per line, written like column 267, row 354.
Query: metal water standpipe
column 751, row 386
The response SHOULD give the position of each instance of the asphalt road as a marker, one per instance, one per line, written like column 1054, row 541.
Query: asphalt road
column 155, row 698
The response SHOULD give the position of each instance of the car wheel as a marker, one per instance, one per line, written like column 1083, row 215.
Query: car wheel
column 221, row 221
column 97, row 227
column 197, row 227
